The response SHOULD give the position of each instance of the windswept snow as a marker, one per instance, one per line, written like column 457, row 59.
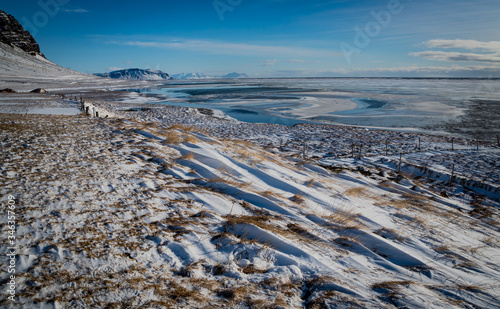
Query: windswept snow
column 147, row 214
column 14, row 62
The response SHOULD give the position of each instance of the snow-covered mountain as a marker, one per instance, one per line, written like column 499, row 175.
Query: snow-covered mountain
column 16, row 62
column 205, row 76
column 235, row 75
column 192, row 76
column 136, row 74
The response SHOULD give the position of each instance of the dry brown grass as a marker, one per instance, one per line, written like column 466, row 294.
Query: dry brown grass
column 391, row 285
column 252, row 156
column 491, row 241
column 470, row 288
column 251, row 269
column 269, row 193
column 181, row 127
column 302, row 232
column 346, row 241
column 442, row 249
column 356, row 192
column 345, row 217
column 259, row 220
column 188, row 156
column 310, row 183
column 190, row 139
column 244, row 143
column 298, row 198
column 419, row 221
column 178, row 292
column 235, row 293
column 390, row 234
column 224, row 176
column 171, row 138
column 465, row 264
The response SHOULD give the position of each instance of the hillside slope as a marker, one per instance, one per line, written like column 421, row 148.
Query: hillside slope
column 134, row 214
column 14, row 62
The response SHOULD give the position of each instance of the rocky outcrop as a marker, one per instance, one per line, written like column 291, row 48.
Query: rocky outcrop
column 13, row 34
column 39, row 90
column 8, row 90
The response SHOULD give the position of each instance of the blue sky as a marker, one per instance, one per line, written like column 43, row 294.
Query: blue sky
column 273, row 38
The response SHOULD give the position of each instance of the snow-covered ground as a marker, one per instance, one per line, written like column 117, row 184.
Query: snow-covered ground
column 174, row 207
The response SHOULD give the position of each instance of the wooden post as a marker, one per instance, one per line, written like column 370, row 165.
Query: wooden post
column 360, row 151
column 399, row 169
column 498, row 140
column 419, row 144
column 352, row 150
column 477, row 144
column 386, row 142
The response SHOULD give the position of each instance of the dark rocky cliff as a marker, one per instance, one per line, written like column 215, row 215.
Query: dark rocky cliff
column 13, row 34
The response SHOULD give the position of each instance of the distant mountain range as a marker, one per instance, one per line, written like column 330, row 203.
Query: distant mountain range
column 191, row 76
column 204, row 76
column 148, row 74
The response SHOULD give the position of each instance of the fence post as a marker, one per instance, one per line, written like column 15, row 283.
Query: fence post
column 386, row 142
column 399, row 168
column 452, row 173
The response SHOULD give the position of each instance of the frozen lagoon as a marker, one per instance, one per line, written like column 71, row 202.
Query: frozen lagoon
column 443, row 105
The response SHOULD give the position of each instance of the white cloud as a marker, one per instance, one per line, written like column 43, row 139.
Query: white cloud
column 268, row 63
column 76, row 11
column 409, row 71
column 114, row 69
column 296, row 61
column 456, row 56
column 491, row 51
column 492, row 46
column 224, row 48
